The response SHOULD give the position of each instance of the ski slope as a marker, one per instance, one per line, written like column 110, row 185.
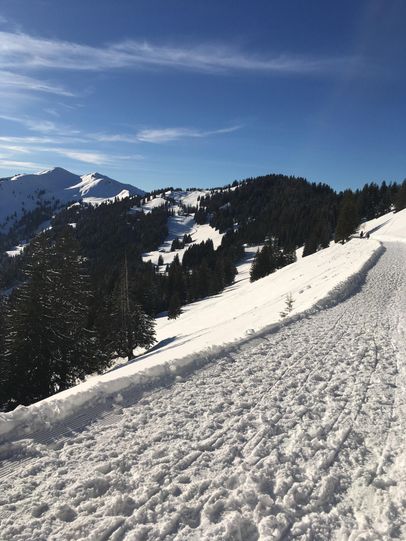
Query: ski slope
column 178, row 226
column 297, row 433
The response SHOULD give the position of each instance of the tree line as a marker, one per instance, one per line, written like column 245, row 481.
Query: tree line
column 82, row 294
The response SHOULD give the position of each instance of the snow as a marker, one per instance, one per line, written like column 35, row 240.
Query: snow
column 188, row 198
column 95, row 201
column 16, row 250
column 237, row 425
column 155, row 203
column 23, row 191
column 178, row 226
column 242, row 310
column 295, row 434
column 390, row 227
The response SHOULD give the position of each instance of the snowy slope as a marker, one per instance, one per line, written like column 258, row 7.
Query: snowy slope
column 23, row 191
column 179, row 225
column 390, row 227
column 242, row 310
column 295, row 434
column 188, row 198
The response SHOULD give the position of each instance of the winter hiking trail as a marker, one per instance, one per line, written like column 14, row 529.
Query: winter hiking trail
column 299, row 434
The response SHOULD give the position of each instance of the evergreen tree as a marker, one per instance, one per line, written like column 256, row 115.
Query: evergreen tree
column 76, row 351
column 400, row 201
column 270, row 258
column 176, row 280
column 3, row 365
column 174, row 308
column 133, row 327
column 49, row 346
column 28, row 349
column 347, row 218
column 259, row 266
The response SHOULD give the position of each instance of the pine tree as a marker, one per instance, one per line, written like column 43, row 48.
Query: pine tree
column 174, row 308
column 289, row 301
column 348, row 220
column 49, row 346
column 176, row 280
column 266, row 261
column 311, row 245
column 3, row 365
column 400, row 201
column 133, row 327
column 28, row 349
column 76, row 351
column 259, row 266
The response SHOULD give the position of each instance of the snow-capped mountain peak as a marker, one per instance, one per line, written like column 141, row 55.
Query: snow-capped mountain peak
column 23, row 192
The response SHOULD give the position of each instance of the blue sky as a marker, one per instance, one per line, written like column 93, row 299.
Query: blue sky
column 192, row 93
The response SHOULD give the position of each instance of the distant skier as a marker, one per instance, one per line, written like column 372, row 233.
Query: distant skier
column 367, row 235
column 361, row 234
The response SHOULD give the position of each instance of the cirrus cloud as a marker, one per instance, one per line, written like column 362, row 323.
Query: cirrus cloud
column 164, row 135
column 23, row 51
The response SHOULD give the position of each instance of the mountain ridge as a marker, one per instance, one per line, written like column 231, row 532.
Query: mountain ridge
column 24, row 192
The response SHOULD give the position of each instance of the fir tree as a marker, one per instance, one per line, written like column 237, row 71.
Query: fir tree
column 176, row 280
column 28, row 348
column 348, row 220
column 76, row 351
column 3, row 364
column 49, row 346
column 133, row 327
column 174, row 308
column 400, row 201
column 264, row 263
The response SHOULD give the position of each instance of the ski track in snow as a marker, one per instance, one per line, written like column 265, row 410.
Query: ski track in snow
column 297, row 435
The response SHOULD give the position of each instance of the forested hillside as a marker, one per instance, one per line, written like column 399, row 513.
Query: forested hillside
column 80, row 293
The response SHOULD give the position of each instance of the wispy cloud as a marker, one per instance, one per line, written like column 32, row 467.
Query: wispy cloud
column 172, row 134
column 6, row 164
column 45, row 126
column 42, row 125
column 148, row 135
column 19, row 50
column 89, row 156
column 13, row 80
column 113, row 138
column 24, row 140
column 36, row 145
column 92, row 157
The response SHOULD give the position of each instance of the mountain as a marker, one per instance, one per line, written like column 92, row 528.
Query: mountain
column 26, row 192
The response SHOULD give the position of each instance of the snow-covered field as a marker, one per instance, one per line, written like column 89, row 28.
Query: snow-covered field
column 296, row 432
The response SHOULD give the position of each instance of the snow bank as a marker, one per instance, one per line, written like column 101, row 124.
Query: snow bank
column 211, row 326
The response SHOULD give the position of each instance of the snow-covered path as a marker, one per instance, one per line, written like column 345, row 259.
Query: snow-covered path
column 298, row 435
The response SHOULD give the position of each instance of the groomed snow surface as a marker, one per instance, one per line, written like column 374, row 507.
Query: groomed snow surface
column 296, row 432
